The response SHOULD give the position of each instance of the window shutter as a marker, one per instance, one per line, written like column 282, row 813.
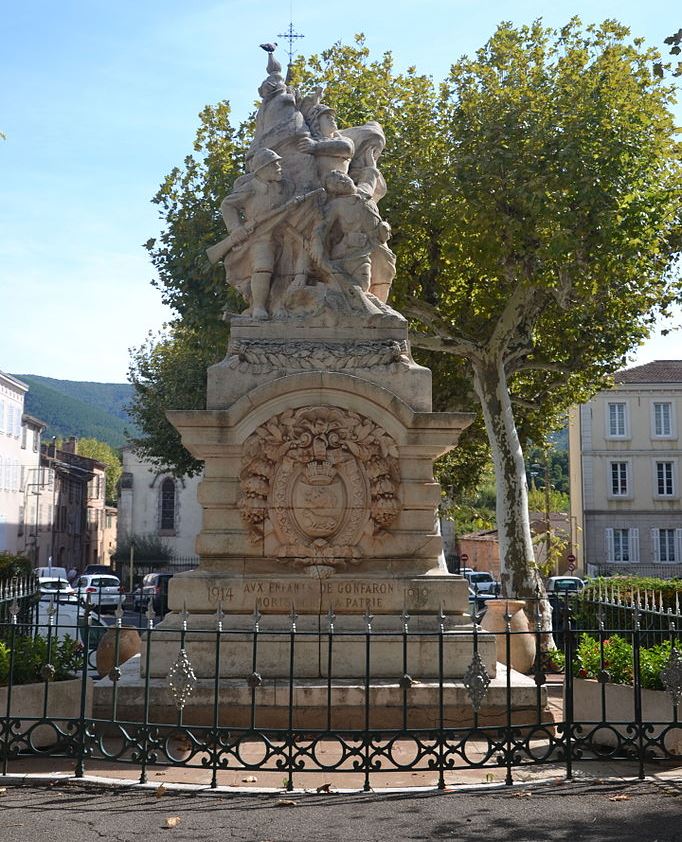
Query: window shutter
column 678, row 545
column 634, row 545
column 655, row 546
column 610, row 553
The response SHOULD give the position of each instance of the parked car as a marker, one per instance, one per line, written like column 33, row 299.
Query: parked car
column 103, row 592
column 56, row 587
column 51, row 573
column 483, row 582
column 561, row 584
column 155, row 587
column 90, row 569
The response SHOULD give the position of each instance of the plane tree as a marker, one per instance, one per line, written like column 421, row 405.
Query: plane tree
column 534, row 199
column 560, row 202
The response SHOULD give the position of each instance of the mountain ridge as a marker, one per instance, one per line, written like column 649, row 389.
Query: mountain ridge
column 84, row 409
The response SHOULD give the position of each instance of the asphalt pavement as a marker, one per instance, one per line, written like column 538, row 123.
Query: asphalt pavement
column 649, row 811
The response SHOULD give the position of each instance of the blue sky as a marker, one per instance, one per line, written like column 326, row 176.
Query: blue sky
column 99, row 101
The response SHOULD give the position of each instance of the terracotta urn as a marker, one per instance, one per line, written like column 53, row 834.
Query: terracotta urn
column 522, row 646
column 129, row 644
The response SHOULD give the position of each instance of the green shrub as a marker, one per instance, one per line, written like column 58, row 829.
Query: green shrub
column 146, row 548
column 618, row 661
column 31, row 655
column 627, row 588
column 14, row 565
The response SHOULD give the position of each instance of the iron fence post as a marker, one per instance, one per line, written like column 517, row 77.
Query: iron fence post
column 82, row 727
column 14, row 610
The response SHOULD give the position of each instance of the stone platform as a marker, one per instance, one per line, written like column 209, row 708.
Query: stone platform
column 310, row 702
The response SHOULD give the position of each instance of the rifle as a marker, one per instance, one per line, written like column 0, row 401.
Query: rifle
column 240, row 235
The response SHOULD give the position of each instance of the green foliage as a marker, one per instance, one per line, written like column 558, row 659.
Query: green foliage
column 169, row 372
column 471, row 503
column 146, row 548
column 625, row 589
column 618, row 661
column 630, row 587
column 540, row 180
column 105, row 454
column 31, row 654
column 558, row 501
column 14, row 565
column 94, row 411
column 535, row 458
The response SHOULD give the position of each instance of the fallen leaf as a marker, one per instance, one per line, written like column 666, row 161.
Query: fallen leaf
column 285, row 802
column 249, row 779
column 3, row 790
column 173, row 821
column 160, row 791
column 324, row 788
column 525, row 794
column 622, row 797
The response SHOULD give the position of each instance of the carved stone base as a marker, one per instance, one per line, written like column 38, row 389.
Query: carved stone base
column 311, row 702
column 259, row 352
column 311, row 655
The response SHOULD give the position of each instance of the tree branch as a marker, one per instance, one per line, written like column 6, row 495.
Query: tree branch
column 447, row 345
column 450, row 341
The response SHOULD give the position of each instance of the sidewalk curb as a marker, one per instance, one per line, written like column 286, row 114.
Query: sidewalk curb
column 94, row 781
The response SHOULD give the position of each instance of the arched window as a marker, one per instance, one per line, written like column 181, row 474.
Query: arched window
column 167, row 505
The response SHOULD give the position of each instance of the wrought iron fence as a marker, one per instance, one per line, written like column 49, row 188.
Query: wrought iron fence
column 668, row 570
column 19, row 589
column 257, row 720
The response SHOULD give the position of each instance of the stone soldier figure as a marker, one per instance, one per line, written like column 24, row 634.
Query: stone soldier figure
column 251, row 214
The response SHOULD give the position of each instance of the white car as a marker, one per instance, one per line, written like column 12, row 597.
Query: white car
column 55, row 586
column 103, row 592
column 561, row 584
column 482, row 582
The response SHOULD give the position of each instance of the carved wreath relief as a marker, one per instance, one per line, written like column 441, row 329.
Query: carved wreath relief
column 322, row 478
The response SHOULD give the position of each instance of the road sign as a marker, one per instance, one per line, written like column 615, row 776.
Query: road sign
column 571, row 562
column 464, row 558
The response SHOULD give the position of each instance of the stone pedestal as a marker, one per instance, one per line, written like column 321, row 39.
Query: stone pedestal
column 318, row 497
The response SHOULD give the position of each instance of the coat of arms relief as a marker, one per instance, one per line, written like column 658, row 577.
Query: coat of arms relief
column 316, row 481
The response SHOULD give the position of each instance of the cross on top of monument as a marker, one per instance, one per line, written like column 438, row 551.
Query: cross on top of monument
column 290, row 35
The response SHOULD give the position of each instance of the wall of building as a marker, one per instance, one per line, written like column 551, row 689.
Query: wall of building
column 625, row 477
column 144, row 506
column 21, row 514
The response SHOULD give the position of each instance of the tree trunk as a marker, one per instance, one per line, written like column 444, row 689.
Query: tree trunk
column 518, row 572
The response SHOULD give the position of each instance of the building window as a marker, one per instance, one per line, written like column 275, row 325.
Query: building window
column 665, row 486
column 619, row 479
column 666, row 545
column 662, row 419
column 617, row 420
column 622, row 545
column 24, row 430
column 167, row 505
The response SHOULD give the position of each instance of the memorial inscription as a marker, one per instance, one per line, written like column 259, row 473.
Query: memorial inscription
column 270, row 595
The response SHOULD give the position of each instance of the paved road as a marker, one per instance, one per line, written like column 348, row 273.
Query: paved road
column 600, row 811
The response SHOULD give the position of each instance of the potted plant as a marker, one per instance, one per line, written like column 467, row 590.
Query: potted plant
column 604, row 691
column 44, row 689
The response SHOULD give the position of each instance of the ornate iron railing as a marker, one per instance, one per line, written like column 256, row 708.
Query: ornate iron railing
column 442, row 723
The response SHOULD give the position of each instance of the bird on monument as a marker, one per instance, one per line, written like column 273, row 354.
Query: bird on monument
column 269, row 48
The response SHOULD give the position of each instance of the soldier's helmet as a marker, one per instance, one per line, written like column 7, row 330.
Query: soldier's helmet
column 263, row 158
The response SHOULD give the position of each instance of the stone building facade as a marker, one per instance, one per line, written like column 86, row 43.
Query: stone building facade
column 22, row 517
column 157, row 504
column 624, row 462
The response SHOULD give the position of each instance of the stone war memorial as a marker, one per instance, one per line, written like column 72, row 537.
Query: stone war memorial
column 318, row 439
